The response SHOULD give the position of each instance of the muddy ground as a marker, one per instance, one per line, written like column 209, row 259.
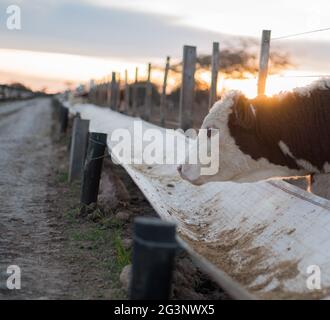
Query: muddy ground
column 61, row 254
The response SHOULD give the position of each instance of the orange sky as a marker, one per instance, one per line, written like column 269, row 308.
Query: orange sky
column 56, row 72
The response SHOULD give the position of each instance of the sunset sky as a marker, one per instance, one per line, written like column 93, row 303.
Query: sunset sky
column 73, row 41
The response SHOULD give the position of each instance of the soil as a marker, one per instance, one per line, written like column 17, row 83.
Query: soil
column 62, row 254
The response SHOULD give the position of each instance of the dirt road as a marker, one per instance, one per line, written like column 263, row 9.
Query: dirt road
column 28, row 233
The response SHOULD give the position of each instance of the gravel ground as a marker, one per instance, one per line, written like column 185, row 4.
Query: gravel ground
column 28, row 234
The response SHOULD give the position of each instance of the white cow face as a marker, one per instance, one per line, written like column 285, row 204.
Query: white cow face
column 231, row 163
column 225, row 159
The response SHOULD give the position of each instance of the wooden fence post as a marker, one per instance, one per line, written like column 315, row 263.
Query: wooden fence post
column 78, row 147
column 108, row 102
column 126, row 93
column 154, row 250
column 97, row 93
column 113, row 98
column 263, row 61
column 118, row 92
column 215, row 64
column 135, row 92
column 94, row 93
column 91, row 90
column 162, row 108
column 101, row 91
column 187, row 87
column 148, row 96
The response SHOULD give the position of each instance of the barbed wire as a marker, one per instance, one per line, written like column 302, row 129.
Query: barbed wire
column 300, row 34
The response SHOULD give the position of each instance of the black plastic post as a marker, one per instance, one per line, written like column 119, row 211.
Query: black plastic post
column 93, row 168
column 64, row 119
column 56, row 109
column 153, row 259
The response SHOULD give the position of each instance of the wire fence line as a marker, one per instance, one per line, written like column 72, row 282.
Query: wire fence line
column 306, row 76
column 289, row 36
column 300, row 34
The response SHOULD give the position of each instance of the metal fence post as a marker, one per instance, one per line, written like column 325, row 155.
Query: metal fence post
column 93, row 168
column 154, row 250
column 162, row 108
column 214, row 73
column 187, row 87
column 263, row 61
column 78, row 147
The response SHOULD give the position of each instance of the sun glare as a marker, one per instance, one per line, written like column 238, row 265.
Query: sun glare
column 275, row 83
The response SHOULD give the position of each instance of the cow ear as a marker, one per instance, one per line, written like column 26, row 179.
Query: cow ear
column 244, row 112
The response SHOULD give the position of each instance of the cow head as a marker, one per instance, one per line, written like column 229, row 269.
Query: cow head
column 233, row 164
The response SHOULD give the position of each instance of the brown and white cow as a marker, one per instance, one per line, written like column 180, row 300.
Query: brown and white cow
column 269, row 137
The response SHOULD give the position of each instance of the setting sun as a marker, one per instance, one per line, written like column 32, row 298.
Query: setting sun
column 287, row 81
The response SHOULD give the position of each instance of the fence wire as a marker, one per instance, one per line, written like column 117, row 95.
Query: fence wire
column 297, row 35
column 300, row 34
column 306, row 76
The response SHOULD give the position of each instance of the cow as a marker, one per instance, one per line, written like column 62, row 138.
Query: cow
column 282, row 136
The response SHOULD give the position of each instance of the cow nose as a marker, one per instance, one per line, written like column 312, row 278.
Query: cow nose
column 179, row 168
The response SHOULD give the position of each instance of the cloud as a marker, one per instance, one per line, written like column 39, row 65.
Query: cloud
column 130, row 34
column 84, row 29
column 307, row 55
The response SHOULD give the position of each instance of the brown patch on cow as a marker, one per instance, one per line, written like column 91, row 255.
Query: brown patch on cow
column 244, row 116
column 301, row 122
column 251, row 143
